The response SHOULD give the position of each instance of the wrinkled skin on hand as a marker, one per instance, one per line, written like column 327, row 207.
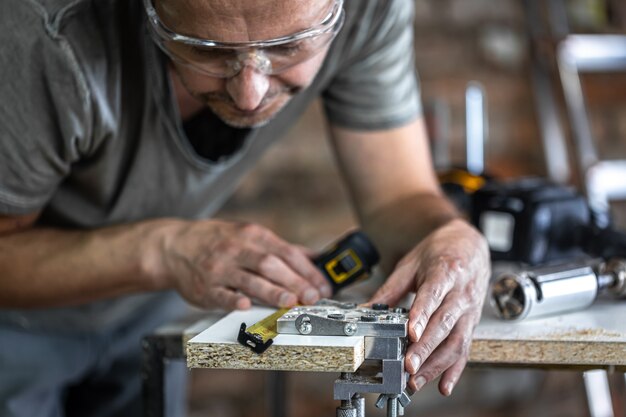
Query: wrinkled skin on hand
column 449, row 272
column 214, row 263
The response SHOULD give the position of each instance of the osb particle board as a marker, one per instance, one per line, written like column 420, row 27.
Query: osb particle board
column 595, row 336
column 217, row 347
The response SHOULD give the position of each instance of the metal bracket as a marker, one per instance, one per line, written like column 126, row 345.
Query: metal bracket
column 330, row 320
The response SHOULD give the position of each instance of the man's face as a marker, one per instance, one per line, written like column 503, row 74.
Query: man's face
column 250, row 97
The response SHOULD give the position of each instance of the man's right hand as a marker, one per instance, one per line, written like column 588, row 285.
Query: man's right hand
column 227, row 264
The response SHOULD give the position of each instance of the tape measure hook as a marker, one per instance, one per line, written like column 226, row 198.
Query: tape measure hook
column 252, row 340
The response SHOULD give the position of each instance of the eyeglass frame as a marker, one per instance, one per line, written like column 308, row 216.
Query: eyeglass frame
column 335, row 16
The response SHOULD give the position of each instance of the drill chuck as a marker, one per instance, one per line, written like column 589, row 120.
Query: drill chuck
column 614, row 272
column 543, row 291
column 556, row 289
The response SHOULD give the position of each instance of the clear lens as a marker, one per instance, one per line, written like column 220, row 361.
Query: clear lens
column 224, row 62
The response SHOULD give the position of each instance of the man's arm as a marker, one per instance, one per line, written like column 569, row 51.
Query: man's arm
column 423, row 241
column 209, row 262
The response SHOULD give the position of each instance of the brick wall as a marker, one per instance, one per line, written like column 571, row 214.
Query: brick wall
column 296, row 189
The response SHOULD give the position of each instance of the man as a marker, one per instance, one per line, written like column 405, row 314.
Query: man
column 123, row 128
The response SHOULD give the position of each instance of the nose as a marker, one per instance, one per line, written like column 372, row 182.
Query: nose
column 248, row 88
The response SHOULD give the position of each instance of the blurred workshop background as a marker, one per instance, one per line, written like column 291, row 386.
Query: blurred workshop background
column 510, row 48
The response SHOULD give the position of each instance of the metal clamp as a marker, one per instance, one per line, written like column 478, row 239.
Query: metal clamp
column 385, row 336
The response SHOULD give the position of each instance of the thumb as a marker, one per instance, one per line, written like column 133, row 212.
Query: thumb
column 399, row 283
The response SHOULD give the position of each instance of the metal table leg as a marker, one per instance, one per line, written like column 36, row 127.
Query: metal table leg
column 598, row 393
column 157, row 348
column 277, row 394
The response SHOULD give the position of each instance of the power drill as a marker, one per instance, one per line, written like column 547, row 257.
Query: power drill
column 565, row 259
column 532, row 221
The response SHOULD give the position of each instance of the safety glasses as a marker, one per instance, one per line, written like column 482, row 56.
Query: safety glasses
column 226, row 59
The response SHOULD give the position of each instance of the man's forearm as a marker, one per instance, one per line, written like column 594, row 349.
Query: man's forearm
column 45, row 267
column 399, row 226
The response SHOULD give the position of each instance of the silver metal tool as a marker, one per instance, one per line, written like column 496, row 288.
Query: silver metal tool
column 385, row 335
column 556, row 289
column 476, row 127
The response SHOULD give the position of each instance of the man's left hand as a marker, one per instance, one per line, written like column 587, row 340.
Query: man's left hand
column 449, row 272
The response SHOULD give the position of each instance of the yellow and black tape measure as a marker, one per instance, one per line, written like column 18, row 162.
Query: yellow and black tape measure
column 261, row 334
column 349, row 260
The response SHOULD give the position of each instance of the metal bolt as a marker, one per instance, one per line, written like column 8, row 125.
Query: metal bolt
column 305, row 326
column 393, row 318
column 350, row 329
column 617, row 268
column 381, row 401
column 346, row 409
column 358, row 402
column 404, row 399
column 392, row 406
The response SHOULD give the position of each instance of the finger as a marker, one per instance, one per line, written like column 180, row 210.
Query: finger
column 260, row 288
column 399, row 283
column 428, row 298
column 451, row 376
column 308, row 252
column 437, row 330
column 448, row 359
column 297, row 260
column 228, row 299
column 300, row 262
column 273, row 268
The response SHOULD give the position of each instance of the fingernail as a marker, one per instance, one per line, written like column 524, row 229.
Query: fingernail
column 418, row 331
column 310, row 296
column 326, row 291
column 420, row 382
column 286, row 300
column 448, row 388
column 415, row 362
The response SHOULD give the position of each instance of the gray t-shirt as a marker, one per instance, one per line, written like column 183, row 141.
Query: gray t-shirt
column 90, row 135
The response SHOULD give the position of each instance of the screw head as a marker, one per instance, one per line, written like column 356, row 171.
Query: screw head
column 392, row 318
column 350, row 329
column 305, row 327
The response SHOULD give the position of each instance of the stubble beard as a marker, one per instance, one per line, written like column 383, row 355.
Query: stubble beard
column 225, row 109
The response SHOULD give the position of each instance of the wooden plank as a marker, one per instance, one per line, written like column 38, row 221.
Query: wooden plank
column 592, row 337
column 217, row 347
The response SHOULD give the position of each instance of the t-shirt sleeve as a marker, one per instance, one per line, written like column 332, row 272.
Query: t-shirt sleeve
column 43, row 108
column 375, row 86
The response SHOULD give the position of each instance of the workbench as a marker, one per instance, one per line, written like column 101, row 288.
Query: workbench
column 591, row 339
column 594, row 338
